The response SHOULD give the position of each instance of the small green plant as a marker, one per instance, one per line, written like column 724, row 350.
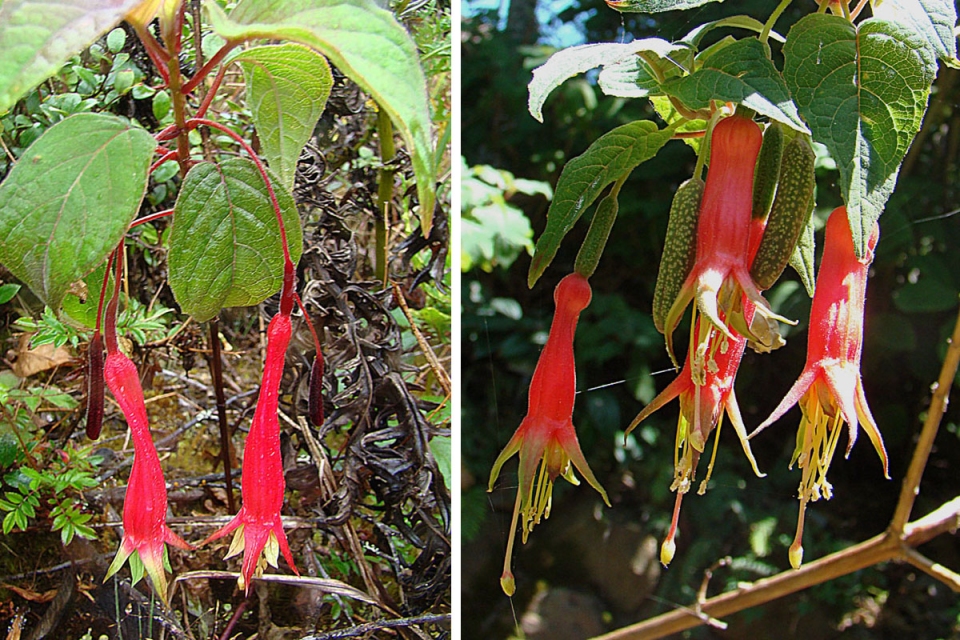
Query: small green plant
column 54, row 490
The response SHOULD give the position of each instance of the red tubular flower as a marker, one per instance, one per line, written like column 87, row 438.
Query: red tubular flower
column 705, row 393
column 721, row 274
column 259, row 530
column 830, row 390
column 546, row 434
column 145, row 505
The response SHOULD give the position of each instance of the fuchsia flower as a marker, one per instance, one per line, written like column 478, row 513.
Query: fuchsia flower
column 145, row 506
column 259, row 530
column 720, row 277
column 705, row 393
column 829, row 389
column 546, row 434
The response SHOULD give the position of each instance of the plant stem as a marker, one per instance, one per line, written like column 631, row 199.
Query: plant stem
column 938, row 404
column 216, row 370
column 384, row 192
column 768, row 26
column 205, row 70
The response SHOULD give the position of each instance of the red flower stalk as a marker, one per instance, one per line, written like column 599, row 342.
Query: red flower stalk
column 259, row 530
column 830, row 390
column 705, row 393
column 145, row 527
column 721, row 274
column 546, row 435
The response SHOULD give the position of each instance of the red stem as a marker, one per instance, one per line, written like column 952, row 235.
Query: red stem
column 158, row 55
column 204, row 71
column 110, row 329
column 306, row 316
column 169, row 155
column 103, row 291
column 150, row 218
column 287, row 292
column 171, row 132
column 208, row 99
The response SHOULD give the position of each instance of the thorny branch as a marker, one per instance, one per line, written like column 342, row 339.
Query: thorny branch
column 898, row 542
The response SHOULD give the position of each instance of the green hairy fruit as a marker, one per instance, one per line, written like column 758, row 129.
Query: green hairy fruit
column 790, row 212
column 768, row 170
column 679, row 249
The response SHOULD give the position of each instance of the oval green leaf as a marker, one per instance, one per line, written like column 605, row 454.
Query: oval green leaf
column 69, row 200
column 287, row 90
column 367, row 44
column 569, row 62
column 863, row 90
column 583, row 179
column 225, row 246
column 38, row 36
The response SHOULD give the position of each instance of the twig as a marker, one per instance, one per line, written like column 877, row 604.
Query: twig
column 938, row 404
column 368, row 627
column 438, row 369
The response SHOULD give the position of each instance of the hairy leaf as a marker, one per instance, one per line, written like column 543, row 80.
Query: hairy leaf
column 367, row 44
column 655, row 6
column 740, row 72
column 863, row 91
column 932, row 20
column 68, row 201
column 38, row 36
column 287, row 90
column 225, row 246
column 567, row 63
column 611, row 156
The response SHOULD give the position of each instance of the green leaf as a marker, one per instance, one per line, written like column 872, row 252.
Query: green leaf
column 38, row 36
column 287, row 90
column 802, row 257
column 655, row 6
column 225, row 248
column 440, row 447
column 85, row 311
column 569, row 62
column 611, row 156
column 863, row 91
column 367, row 44
column 932, row 20
column 743, row 22
column 7, row 291
column 68, row 201
column 740, row 72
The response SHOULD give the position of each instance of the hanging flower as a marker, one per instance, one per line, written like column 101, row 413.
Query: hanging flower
column 257, row 527
column 145, row 505
column 830, row 390
column 706, row 393
column 546, row 437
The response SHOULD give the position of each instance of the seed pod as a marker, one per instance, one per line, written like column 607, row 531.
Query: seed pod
column 768, row 169
column 94, row 386
column 316, row 389
column 679, row 249
column 791, row 211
